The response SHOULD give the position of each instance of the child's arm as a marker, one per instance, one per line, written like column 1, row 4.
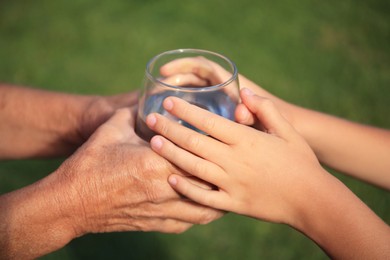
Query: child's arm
column 355, row 149
column 271, row 175
column 358, row 150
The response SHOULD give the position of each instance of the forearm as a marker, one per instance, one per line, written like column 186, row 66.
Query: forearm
column 37, row 123
column 34, row 221
column 342, row 224
column 358, row 150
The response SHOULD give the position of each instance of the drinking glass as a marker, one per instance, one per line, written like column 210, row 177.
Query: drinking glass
column 203, row 78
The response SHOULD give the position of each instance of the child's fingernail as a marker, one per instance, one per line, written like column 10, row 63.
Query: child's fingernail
column 248, row 92
column 244, row 114
column 172, row 180
column 168, row 104
column 156, row 143
column 151, row 120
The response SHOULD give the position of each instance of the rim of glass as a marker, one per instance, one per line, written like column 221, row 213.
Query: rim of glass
column 200, row 52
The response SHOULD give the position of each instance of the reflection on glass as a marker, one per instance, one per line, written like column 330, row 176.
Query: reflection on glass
column 203, row 78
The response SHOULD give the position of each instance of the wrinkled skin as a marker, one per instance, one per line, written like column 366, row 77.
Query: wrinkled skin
column 113, row 182
column 129, row 189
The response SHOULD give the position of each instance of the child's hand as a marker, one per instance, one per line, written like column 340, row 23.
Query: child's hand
column 265, row 175
column 200, row 71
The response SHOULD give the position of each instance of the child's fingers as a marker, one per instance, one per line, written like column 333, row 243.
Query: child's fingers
column 218, row 127
column 243, row 115
column 188, row 139
column 210, row 198
column 267, row 113
column 187, row 161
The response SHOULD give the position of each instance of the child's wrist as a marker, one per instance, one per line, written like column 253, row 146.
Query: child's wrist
column 315, row 199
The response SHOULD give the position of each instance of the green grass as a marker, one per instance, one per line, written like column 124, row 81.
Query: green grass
column 331, row 56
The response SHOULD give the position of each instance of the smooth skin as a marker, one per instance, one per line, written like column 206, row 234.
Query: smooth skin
column 271, row 175
column 112, row 182
column 358, row 150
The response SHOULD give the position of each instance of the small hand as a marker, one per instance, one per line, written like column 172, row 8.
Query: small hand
column 259, row 174
column 200, row 69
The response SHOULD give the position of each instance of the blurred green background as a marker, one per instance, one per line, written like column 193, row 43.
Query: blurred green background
column 331, row 56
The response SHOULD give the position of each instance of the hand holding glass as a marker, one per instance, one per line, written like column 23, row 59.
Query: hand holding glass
column 203, row 78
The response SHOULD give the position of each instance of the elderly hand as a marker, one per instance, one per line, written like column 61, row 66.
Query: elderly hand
column 98, row 109
column 121, row 184
column 114, row 182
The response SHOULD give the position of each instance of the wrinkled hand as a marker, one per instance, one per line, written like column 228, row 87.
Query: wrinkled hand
column 101, row 108
column 115, row 182
column 259, row 174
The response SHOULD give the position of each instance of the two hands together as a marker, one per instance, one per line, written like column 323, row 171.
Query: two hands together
column 111, row 182
column 270, row 175
column 264, row 166
column 267, row 165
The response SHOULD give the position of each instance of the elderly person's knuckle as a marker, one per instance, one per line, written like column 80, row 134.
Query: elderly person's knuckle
column 182, row 228
column 155, row 188
column 207, row 216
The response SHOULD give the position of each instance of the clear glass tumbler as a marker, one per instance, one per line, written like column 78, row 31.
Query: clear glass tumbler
column 203, row 78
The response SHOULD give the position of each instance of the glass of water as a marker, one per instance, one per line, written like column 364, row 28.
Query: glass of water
column 203, row 78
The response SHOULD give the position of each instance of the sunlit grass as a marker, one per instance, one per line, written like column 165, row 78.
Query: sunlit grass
column 331, row 56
